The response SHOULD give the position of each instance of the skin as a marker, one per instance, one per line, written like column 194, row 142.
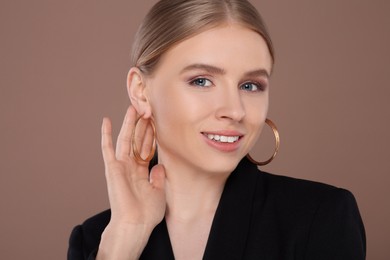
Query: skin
column 201, row 86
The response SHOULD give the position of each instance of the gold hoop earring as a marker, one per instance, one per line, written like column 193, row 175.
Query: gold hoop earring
column 136, row 153
column 277, row 145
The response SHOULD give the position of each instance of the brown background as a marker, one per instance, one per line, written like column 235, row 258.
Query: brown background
column 63, row 66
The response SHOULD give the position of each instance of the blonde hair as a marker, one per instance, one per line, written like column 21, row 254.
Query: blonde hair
column 172, row 21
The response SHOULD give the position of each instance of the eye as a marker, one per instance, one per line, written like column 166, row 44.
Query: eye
column 201, row 82
column 253, row 87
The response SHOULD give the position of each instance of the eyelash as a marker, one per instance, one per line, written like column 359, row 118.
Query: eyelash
column 193, row 82
column 259, row 86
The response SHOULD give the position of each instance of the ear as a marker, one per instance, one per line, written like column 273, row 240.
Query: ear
column 136, row 89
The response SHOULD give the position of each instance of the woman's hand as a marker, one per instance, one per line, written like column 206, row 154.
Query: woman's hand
column 137, row 199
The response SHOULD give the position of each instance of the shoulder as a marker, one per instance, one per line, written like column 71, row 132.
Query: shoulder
column 291, row 183
column 306, row 199
column 281, row 188
column 301, row 203
column 298, row 191
column 283, row 194
column 324, row 218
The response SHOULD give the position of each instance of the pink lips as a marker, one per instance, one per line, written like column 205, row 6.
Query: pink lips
column 223, row 146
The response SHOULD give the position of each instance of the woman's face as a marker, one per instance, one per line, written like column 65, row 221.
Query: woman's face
column 209, row 99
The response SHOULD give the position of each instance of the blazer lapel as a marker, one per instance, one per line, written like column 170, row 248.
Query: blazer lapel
column 227, row 239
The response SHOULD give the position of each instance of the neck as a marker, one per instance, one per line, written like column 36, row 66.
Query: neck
column 191, row 193
column 188, row 199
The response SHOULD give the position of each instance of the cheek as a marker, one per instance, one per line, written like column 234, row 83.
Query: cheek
column 256, row 113
column 168, row 107
column 176, row 102
column 257, row 109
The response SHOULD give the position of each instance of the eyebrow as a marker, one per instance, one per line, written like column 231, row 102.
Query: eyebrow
column 216, row 70
column 205, row 67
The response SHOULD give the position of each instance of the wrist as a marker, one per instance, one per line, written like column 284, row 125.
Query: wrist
column 123, row 241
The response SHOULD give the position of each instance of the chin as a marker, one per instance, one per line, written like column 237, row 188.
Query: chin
column 221, row 166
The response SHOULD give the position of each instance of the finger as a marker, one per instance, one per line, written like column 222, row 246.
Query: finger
column 124, row 138
column 157, row 176
column 106, row 143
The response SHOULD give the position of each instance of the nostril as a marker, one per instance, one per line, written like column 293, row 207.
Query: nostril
column 232, row 114
column 230, row 104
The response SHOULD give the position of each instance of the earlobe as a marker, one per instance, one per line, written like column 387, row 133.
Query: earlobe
column 136, row 89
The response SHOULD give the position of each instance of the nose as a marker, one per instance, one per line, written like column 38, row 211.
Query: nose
column 230, row 105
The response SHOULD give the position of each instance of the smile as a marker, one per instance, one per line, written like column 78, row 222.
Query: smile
column 222, row 138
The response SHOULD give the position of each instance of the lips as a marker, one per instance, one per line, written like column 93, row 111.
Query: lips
column 224, row 141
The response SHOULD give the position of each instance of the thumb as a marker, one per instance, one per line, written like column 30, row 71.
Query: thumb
column 157, row 176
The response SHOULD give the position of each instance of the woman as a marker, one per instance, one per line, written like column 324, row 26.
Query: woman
column 199, row 88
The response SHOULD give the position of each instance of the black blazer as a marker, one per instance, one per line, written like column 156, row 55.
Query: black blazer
column 260, row 216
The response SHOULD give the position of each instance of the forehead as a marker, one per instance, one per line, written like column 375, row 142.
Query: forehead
column 230, row 46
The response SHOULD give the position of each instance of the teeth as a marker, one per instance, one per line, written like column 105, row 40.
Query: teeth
column 232, row 139
column 223, row 138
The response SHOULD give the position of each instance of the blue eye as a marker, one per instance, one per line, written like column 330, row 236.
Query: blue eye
column 250, row 86
column 201, row 82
